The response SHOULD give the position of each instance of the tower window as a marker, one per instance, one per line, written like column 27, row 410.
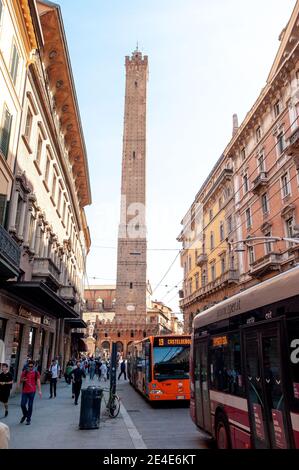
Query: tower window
column 106, row 335
column 132, row 334
column 131, row 285
column 134, row 155
column 118, row 335
column 136, row 84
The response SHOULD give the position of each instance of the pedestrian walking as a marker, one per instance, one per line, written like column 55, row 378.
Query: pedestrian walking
column 92, row 369
column 104, row 371
column 68, row 371
column 54, row 371
column 6, row 381
column 77, row 375
column 122, row 370
column 30, row 379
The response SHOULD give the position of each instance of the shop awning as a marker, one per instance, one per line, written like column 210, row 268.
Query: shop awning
column 38, row 296
column 76, row 322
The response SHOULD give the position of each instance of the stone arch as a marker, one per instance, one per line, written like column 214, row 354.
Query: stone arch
column 106, row 345
column 119, row 346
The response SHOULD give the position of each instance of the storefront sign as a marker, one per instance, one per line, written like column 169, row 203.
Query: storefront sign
column 259, row 423
column 23, row 312
column 279, row 432
column 35, row 319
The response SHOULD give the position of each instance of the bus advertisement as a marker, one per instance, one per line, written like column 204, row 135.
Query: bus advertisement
column 244, row 367
column 158, row 366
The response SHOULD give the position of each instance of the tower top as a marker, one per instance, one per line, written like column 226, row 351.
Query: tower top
column 137, row 58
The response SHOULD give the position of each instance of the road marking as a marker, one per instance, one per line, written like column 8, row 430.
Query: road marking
column 136, row 437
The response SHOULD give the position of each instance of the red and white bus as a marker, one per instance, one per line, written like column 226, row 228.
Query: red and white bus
column 158, row 366
column 244, row 367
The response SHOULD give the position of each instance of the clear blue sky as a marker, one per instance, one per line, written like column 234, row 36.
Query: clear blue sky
column 208, row 59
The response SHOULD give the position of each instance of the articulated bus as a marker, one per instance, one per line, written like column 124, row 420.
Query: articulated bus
column 244, row 367
column 158, row 366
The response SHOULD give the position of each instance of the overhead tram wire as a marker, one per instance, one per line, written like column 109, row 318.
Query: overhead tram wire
column 166, row 273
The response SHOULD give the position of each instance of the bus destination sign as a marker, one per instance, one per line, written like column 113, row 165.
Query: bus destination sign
column 172, row 341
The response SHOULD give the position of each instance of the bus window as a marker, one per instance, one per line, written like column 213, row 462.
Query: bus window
column 225, row 364
column 171, row 362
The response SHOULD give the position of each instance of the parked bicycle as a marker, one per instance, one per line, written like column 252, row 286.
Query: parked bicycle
column 112, row 402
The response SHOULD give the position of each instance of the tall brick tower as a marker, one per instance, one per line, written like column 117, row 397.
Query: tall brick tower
column 131, row 257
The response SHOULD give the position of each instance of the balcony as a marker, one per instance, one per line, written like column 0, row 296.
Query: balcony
column 45, row 270
column 260, row 182
column 293, row 147
column 69, row 294
column 266, row 264
column 10, row 254
column 202, row 259
column 229, row 277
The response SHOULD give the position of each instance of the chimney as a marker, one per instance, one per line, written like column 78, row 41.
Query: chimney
column 235, row 124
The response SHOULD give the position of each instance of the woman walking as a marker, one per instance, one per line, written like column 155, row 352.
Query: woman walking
column 6, row 381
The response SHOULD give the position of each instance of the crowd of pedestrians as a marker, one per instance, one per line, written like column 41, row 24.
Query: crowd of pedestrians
column 75, row 372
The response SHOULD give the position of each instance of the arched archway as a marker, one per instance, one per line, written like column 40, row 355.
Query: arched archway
column 105, row 348
column 119, row 347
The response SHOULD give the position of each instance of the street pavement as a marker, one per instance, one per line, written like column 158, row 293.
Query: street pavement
column 55, row 423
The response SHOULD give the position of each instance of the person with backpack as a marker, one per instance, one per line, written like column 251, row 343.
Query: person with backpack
column 30, row 378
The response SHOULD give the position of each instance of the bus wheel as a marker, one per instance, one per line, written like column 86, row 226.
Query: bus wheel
column 223, row 440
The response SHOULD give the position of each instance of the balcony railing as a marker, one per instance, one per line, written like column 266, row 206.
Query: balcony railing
column 260, row 181
column 230, row 276
column 202, row 259
column 270, row 262
column 10, row 254
column 45, row 270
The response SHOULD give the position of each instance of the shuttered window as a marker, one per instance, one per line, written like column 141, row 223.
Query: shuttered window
column 14, row 64
column 5, row 132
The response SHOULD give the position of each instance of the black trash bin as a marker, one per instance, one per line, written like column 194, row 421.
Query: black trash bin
column 90, row 408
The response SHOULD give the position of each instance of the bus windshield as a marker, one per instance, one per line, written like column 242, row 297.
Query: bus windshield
column 171, row 362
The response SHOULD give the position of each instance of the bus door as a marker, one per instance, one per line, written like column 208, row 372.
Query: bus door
column 266, row 392
column 147, row 366
column 202, row 397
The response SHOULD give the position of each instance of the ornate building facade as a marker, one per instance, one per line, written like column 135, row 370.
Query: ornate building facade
column 256, row 184
column 41, row 303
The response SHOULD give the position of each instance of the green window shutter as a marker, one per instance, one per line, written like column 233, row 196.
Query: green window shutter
column 14, row 64
column 5, row 132
column 2, row 208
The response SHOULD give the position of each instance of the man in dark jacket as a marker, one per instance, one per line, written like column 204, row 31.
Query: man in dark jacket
column 122, row 370
column 77, row 375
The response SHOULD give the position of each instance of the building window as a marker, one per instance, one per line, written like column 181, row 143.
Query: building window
column 131, row 285
column 15, row 354
column 28, row 124
column 54, row 182
column 211, row 214
column 190, row 263
column 134, row 155
column 196, row 281
column 213, row 272
column 265, row 204
column 203, row 278
column 251, row 254
column 248, row 218
column 230, row 224
column 258, row 134
column 277, row 109
column 285, row 185
column 221, row 231
column 261, row 162
column 280, row 143
column 243, row 153
column 232, row 262
column 212, row 240
column 64, row 210
column 18, row 214
column 2, row 328
column 290, row 227
column 39, row 150
column 14, row 64
column 47, row 171
column 190, row 286
column 223, row 265
column 5, row 132
column 245, row 183
column 220, row 203
column 268, row 245
column 3, row 201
